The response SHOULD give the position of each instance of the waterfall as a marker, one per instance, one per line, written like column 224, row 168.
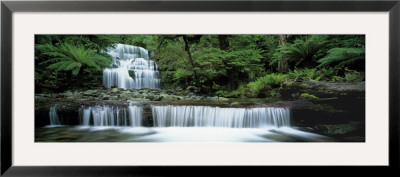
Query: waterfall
column 54, row 120
column 206, row 116
column 111, row 116
column 131, row 69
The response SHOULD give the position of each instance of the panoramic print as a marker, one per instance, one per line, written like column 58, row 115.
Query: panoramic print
column 199, row 88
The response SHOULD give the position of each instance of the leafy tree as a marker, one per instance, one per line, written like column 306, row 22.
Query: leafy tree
column 227, row 65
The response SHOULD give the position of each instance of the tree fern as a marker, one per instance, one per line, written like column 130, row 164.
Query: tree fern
column 67, row 57
column 340, row 57
column 300, row 52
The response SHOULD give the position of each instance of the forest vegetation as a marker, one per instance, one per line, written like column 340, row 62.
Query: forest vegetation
column 223, row 65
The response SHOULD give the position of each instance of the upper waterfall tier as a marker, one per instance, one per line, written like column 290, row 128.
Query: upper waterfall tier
column 131, row 69
column 123, row 51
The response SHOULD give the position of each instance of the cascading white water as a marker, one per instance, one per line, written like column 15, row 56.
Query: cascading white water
column 111, row 116
column 206, row 116
column 128, row 58
column 54, row 120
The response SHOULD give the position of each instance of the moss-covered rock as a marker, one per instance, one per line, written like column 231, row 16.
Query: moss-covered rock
column 115, row 90
column 337, row 129
column 179, row 93
column 308, row 96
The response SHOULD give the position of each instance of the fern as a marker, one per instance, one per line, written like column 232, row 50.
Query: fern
column 67, row 57
column 265, row 83
column 340, row 57
column 300, row 52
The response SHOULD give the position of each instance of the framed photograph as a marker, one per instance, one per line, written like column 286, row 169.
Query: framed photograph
column 137, row 88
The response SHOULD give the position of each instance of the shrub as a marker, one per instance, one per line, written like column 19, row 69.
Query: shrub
column 263, row 84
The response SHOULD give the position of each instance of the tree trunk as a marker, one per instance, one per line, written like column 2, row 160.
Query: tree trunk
column 196, row 77
column 223, row 42
column 284, row 64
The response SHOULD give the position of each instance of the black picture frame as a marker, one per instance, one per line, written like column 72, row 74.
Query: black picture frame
column 8, row 7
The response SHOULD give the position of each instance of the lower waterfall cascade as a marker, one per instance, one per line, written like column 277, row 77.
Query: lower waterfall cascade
column 111, row 116
column 181, row 116
column 54, row 118
column 207, row 116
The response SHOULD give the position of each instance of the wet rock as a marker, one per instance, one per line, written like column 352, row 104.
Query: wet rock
column 158, row 98
column 125, row 95
column 106, row 98
column 192, row 89
column 150, row 97
column 170, row 92
column 292, row 88
column 223, row 99
column 155, row 91
column 180, row 93
column 144, row 95
column 136, row 95
column 70, row 98
column 90, row 93
column 139, row 99
column 337, row 129
column 187, row 93
column 338, row 87
column 115, row 90
column 178, row 89
column 166, row 97
column 131, row 73
column 37, row 97
column 59, row 96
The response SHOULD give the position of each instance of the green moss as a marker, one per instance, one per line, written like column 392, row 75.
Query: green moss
column 308, row 96
column 179, row 93
column 354, row 76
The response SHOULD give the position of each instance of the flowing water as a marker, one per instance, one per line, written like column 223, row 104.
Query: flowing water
column 206, row 116
column 179, row 124
column 131, row 69
column 111, row 116
column 55, row 120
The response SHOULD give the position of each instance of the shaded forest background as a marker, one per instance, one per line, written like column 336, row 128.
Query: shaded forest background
column 222, row 65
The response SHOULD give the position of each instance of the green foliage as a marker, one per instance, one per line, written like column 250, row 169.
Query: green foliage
column 302, row 51
column 182, row 76
column 354, row 76
column 210, row 66
column 308, row 96
column 244, row 63
column 223, row 65
column 242, row 90
column 149, row 42
column 324, row 74
column 341, row 57
column 67, row 57
column 263, row 84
